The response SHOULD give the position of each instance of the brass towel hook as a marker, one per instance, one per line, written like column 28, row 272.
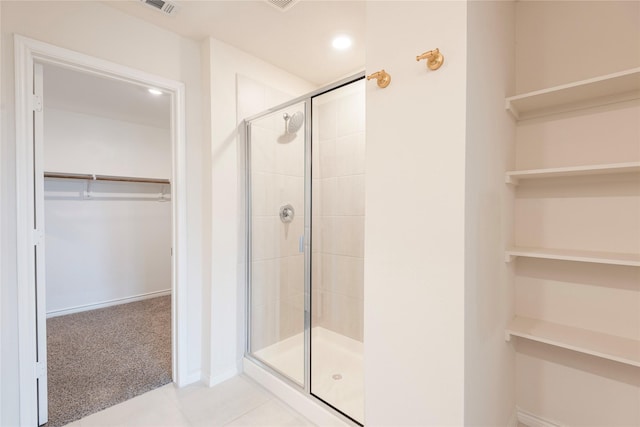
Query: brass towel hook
column 434, row 59
column 382, row 77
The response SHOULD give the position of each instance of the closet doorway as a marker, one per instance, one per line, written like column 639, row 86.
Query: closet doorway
column 107, row 216
column 101, row 224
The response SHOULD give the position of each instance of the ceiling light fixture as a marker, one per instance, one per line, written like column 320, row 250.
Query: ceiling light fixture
column 341, row 42
column 154, row 91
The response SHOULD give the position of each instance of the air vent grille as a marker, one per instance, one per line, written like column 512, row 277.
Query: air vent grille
column 282, row 5
column 166, row 7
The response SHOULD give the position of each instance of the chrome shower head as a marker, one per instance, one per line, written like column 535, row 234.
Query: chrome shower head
column 293, row 123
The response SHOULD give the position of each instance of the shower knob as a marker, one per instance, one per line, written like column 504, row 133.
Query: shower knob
column 286, row 213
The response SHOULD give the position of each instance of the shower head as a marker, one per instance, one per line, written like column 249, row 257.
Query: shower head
column 293, row 123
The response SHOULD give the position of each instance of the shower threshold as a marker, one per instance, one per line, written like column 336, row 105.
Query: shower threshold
column 336, row 367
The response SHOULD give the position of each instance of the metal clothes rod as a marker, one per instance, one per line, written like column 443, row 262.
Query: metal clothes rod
column 105, row 178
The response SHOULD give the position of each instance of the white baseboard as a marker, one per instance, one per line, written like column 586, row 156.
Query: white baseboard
column 513, row 419
column 215, row 380
column 192, row 378
column 117, row 301
column 311, row 409
column 532, row 420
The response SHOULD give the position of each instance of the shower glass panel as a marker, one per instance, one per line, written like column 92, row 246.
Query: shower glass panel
column 305, row 222
column 338, row 140
column 277, row 240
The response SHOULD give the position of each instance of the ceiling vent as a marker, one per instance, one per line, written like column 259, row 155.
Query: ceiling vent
column 282, row 5
column 166, row 7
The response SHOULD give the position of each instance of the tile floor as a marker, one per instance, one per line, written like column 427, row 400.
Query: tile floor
column 235, row 402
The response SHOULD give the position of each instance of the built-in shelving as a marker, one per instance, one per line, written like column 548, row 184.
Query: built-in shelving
column 613, row 258
column 513, row 177
column 615, row 87
column 623, row 350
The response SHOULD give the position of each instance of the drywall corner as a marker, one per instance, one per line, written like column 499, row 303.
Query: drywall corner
column 489, row 360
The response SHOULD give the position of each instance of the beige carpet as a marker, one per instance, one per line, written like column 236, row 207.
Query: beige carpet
column 102, row 357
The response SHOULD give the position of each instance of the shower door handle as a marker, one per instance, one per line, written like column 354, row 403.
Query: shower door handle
column 301, row 244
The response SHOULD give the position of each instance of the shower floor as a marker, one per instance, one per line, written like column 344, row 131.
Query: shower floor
column 336, row 367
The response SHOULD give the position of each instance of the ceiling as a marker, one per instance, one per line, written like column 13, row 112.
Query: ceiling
column 297, row 40
column 71, row 90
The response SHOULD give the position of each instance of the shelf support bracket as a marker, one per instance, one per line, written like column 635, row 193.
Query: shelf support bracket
column 510, row 108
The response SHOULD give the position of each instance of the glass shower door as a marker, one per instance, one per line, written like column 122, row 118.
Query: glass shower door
column 276, row 178
column 338, row 249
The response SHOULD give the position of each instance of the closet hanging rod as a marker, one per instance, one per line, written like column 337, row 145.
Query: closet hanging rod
column 105, row 178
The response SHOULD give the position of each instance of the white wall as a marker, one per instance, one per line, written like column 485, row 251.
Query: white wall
column 100, row 251
column 564, row 41
column 83, row 143
column 224, row 299
column 489, row 360
column 96, row 29
column 414, row 225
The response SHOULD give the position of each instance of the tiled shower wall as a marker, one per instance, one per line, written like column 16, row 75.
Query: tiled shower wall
column 338, row 210
column 277, row 172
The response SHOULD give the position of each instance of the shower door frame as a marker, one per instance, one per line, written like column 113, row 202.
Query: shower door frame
column 308, row 145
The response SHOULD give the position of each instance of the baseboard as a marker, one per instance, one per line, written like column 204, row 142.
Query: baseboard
column 217, row 379
column 94, row 306
column 532, row 420
column 513, row 419
column 192, row 378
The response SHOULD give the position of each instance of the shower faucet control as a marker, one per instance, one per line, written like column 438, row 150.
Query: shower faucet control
column 287, row 213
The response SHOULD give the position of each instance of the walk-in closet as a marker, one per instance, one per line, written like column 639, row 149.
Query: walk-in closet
column 107, row 214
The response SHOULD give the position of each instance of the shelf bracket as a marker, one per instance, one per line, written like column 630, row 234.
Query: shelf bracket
column 88, row 193
column 510, row 108
column 508, row 179
column 507, row 336
column 509, row 257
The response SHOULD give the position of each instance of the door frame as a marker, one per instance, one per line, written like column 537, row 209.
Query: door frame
column 27, row 52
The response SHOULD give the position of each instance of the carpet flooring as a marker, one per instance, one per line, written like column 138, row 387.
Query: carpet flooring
column 102, row 357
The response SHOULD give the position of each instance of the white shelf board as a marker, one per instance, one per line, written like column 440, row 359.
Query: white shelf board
column 575, row 255
column 512, row 177
column 602, row 90
column 623, row 350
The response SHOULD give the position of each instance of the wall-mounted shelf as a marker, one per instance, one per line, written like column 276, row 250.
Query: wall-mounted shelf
column 615, row 87
column 623, row 350
column 91, row 177
column 574, row 255
column 513, row 177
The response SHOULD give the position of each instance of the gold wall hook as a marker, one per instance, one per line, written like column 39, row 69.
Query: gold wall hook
column 434, row 59
column 382, row 77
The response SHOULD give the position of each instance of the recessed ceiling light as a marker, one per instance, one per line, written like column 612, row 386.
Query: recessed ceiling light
column 154, row 91
column 341, row 42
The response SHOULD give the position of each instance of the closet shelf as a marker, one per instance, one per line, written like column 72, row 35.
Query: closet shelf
column 602, row 90
column 60, row 175
column 513, row 177
column 574, row 255
column 623, row 350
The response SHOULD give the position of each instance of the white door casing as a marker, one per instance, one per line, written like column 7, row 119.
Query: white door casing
column 29, row 55
column 38, row 241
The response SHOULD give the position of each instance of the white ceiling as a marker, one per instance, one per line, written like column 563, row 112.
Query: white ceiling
column 70, row 90
column 297, row 40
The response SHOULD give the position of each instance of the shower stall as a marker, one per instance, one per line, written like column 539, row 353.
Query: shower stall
column 305, row 243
